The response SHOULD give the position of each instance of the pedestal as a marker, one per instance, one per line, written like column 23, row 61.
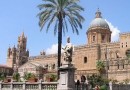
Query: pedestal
column 66, row 81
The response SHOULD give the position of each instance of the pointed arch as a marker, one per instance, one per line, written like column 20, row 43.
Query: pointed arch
column 117, row 54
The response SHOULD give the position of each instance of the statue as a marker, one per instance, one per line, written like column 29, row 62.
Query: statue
column 68, row 50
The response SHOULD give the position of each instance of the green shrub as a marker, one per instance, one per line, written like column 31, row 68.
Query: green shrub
column 27, row 76
column 16, row 76
column 103, row 87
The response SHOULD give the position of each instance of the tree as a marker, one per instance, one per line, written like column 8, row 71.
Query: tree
column 51, row 77
column 59, row 11
column 28, row 75
column 2, row 76
column 16, row 76
column 100, row 66
column 97, row 80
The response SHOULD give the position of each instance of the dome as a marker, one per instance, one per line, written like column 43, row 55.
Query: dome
column 98, row 22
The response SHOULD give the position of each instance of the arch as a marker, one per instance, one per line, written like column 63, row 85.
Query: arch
column 117, row 54
column 127, row 52
column 46, row 65
column 53, row 66
column 111, row 54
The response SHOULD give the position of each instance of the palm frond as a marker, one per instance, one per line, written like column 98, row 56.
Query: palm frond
column 55, row 27
column 52, row 1
column 66, row 26
column 51, row 21
column 46, row 6
column 71, row 25
column 63, row 26
column 44, row 18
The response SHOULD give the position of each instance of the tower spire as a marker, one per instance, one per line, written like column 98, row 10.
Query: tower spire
column 98, row 14
column 23, row 34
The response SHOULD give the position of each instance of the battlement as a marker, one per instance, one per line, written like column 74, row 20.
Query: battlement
column 41, row 57
column 125, row 34
column 44, row 56
column 79, row 46
column 114, row 43
column 85, row 46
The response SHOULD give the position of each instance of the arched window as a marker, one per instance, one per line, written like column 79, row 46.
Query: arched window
column 46, row 66
column 93, row 38
column 128, row 53
column 118, row 66
column 103, row 38
column 117, row 55
column 110, row 55
column 53, row 66
column 85, row 59
column 126, row 44
column 105, row 56
column 122, row 45
column 123, row 66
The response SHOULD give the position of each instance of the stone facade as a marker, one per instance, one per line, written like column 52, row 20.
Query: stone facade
column 31, row 67
column 99, row 47
column 7, row 71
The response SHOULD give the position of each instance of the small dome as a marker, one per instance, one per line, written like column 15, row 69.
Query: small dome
column 98, row 22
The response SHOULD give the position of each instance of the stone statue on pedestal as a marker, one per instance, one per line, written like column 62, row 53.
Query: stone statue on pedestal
column 67, row 70
column 68, row 50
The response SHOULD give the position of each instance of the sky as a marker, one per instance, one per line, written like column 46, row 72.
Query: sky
column 17, row 16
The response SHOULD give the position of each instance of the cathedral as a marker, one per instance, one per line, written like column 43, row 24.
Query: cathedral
column 115, row 55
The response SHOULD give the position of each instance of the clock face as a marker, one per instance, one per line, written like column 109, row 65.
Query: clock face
column 128, row 53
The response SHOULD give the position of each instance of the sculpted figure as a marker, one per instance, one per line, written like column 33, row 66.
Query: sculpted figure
column 68, row 50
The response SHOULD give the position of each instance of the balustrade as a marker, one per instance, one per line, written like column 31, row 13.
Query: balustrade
column 28, row 86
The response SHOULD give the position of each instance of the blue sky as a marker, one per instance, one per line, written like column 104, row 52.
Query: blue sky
column 17, row 16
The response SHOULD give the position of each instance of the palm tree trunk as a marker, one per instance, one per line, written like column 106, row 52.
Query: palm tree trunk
column 59, row 41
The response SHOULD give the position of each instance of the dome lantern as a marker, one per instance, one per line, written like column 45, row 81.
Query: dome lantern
column 98, row 14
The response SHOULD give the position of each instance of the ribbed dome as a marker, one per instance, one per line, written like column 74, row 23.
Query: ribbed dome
column 98, row 22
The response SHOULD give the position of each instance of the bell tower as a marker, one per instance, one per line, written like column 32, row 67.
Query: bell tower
column 18, row 56
column 22, row 54
column 22, row 40
column 11, row 56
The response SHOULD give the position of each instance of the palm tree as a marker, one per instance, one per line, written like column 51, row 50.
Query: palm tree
column 58, row 12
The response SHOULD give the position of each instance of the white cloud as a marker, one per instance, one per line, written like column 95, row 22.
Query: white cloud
column 115, row 31
column 53, row 49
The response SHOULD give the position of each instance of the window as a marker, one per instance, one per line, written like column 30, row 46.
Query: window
column 123, row 66
column 126, row 44
column 109, row 39
column 105, row 56
column 128, row 53
column 85, row 59
column 118, row 66
column 103, row 37
column 108, row 67
column 53, row 66
column 117, row 55
column 122, row 45
column 93, row 38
